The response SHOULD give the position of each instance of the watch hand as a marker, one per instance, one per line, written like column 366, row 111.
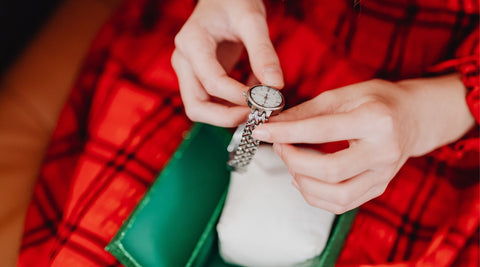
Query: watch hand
column 266, row 96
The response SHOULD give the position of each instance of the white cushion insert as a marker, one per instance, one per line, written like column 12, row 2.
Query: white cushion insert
column 266, row 221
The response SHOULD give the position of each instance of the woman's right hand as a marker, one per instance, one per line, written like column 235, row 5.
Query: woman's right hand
column 207, row 48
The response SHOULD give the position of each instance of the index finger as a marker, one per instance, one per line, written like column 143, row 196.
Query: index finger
column 200, row 51
column 198, row 106
column 331, row 168
column 264, row 60
column 319, row 129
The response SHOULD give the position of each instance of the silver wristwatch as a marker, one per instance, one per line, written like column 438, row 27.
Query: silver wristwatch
column 264, row 101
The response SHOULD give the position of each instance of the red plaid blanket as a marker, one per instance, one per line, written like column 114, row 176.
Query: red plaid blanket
column 125, row 118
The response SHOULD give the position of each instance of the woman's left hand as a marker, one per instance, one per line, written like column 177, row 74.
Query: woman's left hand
column 385, row 123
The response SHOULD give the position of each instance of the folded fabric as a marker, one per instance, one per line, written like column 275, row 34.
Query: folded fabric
column 266, row 221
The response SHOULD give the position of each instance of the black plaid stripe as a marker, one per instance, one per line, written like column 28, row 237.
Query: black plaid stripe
column 415, row 222
column 407, row 15
column 393, row 61
column 117, row 165
column 411, row 231
column 412, row 227
column 409, row 227
column 118, row 162
column 50, row 213
column 41, row 233
column 103, row 179
column 421, row 198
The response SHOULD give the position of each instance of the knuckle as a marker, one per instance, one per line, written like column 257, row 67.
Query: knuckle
column 384, row 122
column 212, row 84
column 191, row 113
column 327, row 100
column 381, row 115
column 209, row 84
column 333, row 208
column 343, row 198
column 292, row 162
column 174, row 60
column 339, row 210
column 250, row 19
column 393, row 153
column 179, row 39
column 378, row 191
column 265, row 47
column 310, row 200
column 186, row 36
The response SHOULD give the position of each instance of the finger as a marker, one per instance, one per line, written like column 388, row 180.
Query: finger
column 200, row 51
column 341, row 197
column 331, row 207
column 325, row 103
column 253, row 31
column 343, row 193
column 338, row 100
column 196, row 101
column 331, row 168
column 320, row 129
column 324, row 205
column 219, row 115
column 316, row 202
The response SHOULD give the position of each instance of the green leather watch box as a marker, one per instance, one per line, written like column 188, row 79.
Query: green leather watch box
column 174, row 224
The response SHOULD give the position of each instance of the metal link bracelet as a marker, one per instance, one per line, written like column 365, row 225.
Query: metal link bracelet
column 264, row 101
column 248, row 145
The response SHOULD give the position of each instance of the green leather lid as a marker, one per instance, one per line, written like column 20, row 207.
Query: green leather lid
column 167, row 224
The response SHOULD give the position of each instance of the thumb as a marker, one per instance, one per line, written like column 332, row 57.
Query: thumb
column 263, row 58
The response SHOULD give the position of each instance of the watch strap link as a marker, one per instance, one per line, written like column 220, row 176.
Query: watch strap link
column 248, row 145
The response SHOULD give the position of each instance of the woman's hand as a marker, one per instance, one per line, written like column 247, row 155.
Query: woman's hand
column 385, row 123
column 208, row 46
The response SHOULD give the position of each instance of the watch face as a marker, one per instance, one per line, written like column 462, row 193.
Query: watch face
column 266, row 97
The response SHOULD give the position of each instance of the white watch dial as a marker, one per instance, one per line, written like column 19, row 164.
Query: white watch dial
column 265, row 96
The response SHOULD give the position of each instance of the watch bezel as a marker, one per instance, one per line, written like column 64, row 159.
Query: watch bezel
column 271, row 110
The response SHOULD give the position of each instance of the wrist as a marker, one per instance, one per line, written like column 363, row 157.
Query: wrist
column 438, row 112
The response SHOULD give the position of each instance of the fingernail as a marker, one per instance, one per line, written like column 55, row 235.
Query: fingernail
column 261, row 134
column 273, row 76
column 277, row 148
column 295, row 184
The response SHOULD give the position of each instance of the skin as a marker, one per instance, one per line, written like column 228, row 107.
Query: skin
column 385, row 124
column 389, row 122
column 208, row 46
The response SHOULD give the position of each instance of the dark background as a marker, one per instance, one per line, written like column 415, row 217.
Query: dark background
column 19, row 21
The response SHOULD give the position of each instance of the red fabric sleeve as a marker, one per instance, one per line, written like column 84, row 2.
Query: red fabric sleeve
column 466, row 151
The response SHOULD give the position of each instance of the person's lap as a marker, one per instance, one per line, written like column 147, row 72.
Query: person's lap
column 124, row 120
